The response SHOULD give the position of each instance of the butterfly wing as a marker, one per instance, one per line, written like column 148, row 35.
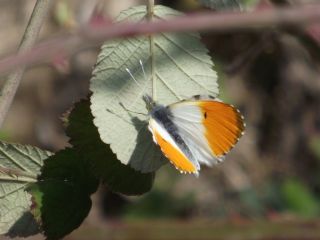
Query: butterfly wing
column 209, row 127
column 177, row 153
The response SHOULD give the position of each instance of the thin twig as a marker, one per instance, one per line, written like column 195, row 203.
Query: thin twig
column 215, row 22
column 11, row 85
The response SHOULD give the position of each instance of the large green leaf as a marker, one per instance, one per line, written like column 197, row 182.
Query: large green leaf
column 70, row 166
column 61, row 197
column 182, row 69
column 85, row 138
column 19, row 166
column 223, row 4
column 59, row 207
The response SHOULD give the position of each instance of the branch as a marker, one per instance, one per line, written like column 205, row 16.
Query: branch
column 208, row 21
column 11, row 85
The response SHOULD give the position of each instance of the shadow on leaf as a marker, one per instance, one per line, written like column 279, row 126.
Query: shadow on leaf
column 24, row 227
column 86, row 140
column 150, row 148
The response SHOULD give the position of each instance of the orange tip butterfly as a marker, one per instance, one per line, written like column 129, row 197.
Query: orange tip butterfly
column 200, row 130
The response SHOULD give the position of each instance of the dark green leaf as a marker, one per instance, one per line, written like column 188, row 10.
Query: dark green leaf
column 70, row 166
column 61, row 197
column 85, row 138
column 60, row 206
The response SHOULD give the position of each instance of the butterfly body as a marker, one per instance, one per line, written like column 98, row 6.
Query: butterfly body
column 199, row 130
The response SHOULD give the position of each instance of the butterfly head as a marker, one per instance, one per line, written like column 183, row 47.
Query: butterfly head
column 150, row 103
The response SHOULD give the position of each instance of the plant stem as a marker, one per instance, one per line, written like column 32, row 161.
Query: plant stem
column 296, row 16
column 150, row 11
column 31, row 33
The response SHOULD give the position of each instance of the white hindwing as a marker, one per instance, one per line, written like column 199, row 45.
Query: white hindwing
column 188, row 119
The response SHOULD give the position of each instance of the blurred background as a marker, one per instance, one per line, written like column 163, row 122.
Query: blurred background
column 269, row 185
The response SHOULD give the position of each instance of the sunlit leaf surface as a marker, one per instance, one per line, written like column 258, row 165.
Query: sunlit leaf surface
column 19, row 166
column 182, row 69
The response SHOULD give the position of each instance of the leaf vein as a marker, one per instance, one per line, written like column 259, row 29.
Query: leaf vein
column 179, row 67
column 8, row 156
column 184, row 49
column 167, row 86
column 124, row 62
column 13, row 191
column 27, row 155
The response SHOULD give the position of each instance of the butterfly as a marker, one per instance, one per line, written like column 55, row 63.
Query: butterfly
column 199, row 130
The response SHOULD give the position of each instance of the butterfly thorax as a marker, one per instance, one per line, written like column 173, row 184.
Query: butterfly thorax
column 157, row 111
column 161, row 114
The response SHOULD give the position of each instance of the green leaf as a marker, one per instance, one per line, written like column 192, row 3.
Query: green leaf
column 59, row 206
column 85, row 139
column 182, row 68
column 70, row 166
column 158, row 204
column 314, row 145
column 19, row 166
column 299, row 199
column 61, row 197
column 223, row 4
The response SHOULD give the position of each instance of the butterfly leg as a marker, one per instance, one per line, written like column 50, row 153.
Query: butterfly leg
column 130, row 111
column 122, row 116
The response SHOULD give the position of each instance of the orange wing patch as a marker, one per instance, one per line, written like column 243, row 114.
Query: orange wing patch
column 179, row 160
column 224, row 125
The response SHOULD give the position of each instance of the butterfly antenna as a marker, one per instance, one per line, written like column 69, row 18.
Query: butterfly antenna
column 144, row 73
column 131, row 75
